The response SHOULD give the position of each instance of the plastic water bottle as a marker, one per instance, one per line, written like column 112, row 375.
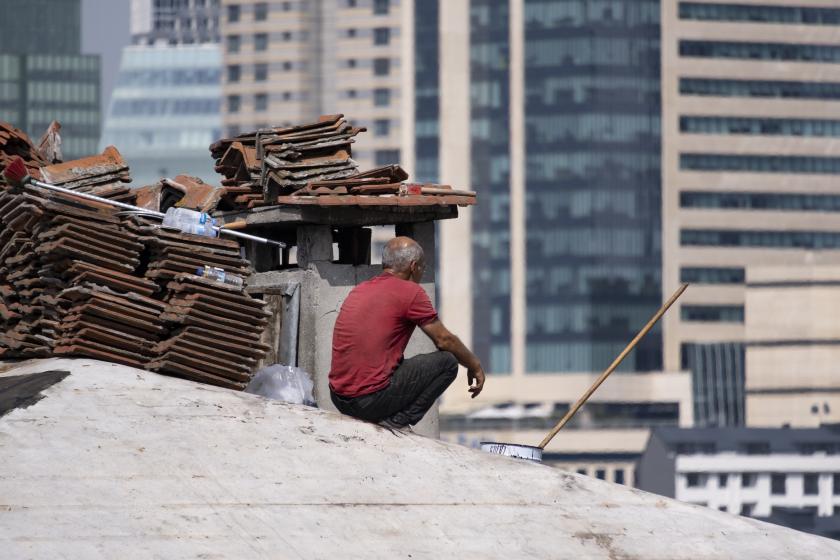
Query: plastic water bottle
column 219, row 275
column 191, row 221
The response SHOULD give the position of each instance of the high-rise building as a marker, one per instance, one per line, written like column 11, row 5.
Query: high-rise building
column 44, row 76
column 792, row 346
column 549, row 110
column 165, row 110
column 174, row 22
column 290, row 61
column 750, row 158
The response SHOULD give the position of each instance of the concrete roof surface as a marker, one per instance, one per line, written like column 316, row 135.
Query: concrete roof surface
column 115, row 462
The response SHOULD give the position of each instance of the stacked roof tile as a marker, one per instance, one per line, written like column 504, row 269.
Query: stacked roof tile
column 259, row 166
column 15, row 143
column 79, row 277
column 215, row 335
column 103, row 175
column 312, row 164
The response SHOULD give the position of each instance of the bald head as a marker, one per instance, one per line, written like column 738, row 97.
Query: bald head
column 400, row 253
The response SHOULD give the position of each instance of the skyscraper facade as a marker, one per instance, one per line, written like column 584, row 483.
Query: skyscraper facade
column 44, row 76
column 174, row 22
column 750, row 172
column 166, row 107
column 290, row 61
column 556, row 105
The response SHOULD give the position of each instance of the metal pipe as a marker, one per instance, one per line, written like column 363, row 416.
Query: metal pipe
column 95, row 198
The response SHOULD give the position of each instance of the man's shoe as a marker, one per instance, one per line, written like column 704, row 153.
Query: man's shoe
column 393, row 427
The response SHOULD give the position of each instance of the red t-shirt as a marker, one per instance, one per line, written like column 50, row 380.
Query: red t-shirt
column 372, row 331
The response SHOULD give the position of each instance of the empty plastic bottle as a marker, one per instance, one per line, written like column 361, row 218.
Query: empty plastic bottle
column 191, row 221
column 219, row 275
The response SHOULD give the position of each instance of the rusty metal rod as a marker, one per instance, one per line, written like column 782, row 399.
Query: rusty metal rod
column 629, row 348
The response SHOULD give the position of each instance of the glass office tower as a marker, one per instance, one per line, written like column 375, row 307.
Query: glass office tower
column 166, row 107
column 165, row 110
column 564, row 118
column 490, row 141
column 44, row 76
column 592, row 130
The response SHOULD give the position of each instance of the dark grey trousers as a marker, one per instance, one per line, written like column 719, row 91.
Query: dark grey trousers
column 415, row 386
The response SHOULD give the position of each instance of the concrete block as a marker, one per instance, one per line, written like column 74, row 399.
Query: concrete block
column 315, row 244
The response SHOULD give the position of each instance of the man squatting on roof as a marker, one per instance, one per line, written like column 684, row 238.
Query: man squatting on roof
column 370, row 379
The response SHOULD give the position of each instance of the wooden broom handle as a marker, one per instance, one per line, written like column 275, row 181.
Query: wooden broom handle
column 629, row 348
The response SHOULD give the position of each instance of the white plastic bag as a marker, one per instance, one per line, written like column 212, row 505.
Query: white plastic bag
column 283, row 383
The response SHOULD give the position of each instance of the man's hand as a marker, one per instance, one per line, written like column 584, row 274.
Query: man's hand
column 476, row 375
column 448, row 342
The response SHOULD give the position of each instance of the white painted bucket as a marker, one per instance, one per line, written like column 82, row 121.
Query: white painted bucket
column 526, row 452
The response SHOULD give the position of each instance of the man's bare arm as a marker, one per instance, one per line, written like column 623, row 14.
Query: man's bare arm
column 448, row 342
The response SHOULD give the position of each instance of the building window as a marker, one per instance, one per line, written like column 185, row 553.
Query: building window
column 233, row 73
column 381, row 127
column 618, row 476
column 581, row 471
column 705, row 11
column 351, row 63
column 757, row 448
column 233, row 13
column 261, row 102
column 386, row 157
column 261, row 41
column 380, row 6
column 810, row 448
column 600, row 474
column 351, row 32
column 287, row 65
column 381, row 36
column 287, row 6
column 783, row 202
column 810, row 484
column 760, row 164
column 695, row 480
column 749, row 480
column 260, row 72
column 234, row 102
column 723, row 480
column 381, row 66
column 712, row 275
column 836, row 480
column 381, row 97
column 760, row 126
column 760, row 51
column 713, row 313
column 261, row 11
column 778, row 484
column 351, row 3
column 287, row 95
column 759, row 88
column 696, row 448
column 747, row 509
column 780, row 239
column 233, row 43
column 351, row 93
column 287, row 36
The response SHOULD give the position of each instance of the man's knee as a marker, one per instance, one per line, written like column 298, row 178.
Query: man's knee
column 450, row 364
